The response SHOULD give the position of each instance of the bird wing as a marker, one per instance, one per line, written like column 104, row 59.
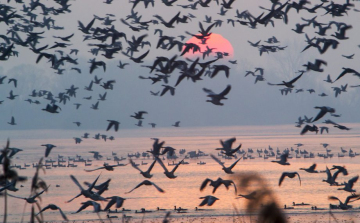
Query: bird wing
column 204, row 183
column 208, row 91
column 283, row 175
column 73, row 198
column 341, row 75
column 157, row 187
column 177, row 165
column 217, row 160
column 139, row 185
column 110, row 203
column 134, row 165
column 16, row 196
column 76, row 182
column 305, row 129
column 232, row 165
column 204, row 201
column 295, row 79
column 299, row 177
column 353, row 180
column 320, row 115
column 95, row 169
column 226, row 91
column 63, row 214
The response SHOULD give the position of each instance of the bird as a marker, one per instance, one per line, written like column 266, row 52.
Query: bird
column 227, row 170
column 217, row 183
column 105, row 166
column 310, row 128
column 289, row 84
column 171, row 174
column 226, row 147
column 315, row 66
column 283, row 159
column 177, row 124
column 208, row 200
column 86, row 193
column 290, row 175
column 323, row 111
column 349, row 185
column 346, row 71
column 216, row 98
column 145, row 174
column 311, row 169
column 48, row 149
column 97, row 207
column 119, row 201
column 139, row 115
column 31, row 199
column 12, row 122
column 113, row 123
column 251, row 196
column 345, row 206
column 147, row 183
column 54, row 207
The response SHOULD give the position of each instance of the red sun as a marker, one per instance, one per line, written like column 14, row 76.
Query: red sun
column 215, row 43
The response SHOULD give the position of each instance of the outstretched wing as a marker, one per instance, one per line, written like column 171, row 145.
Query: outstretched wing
column 204, row 183
column 217, row 160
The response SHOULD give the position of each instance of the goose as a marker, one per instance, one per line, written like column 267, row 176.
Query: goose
column 86, row 193
column 283, row 159
column 48, row 149
column 310, row 128
column 170, row 174
column 54, row 207
column 226, row 147
column 139, row 115
column 289, row 84
column 86, row 30
column 323, row 111
column 156, row 147
column 177, row 124
column 324, row 128
column 105, row 166
column 315, row 66
column 346, row 71
column 113, row 123
column 147, row 183
column 311, row 169
column 51, row 108
column 208, row 200
column 345, row 206
column 145, row 174
column 251, row 196
column 217, row 183
column 12, row 122
column 11, row 95
column 290, row 175
column 328, row 79
column 331, row 179
column 31, row 199
column 349, row 185
column 216, row 98
column 97, row 207
column 227, row 170
column 114, row 200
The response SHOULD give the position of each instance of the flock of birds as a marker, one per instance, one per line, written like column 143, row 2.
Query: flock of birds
column 25, row 31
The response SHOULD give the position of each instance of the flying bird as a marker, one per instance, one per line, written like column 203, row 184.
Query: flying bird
column 290, row 175
column 147, row 183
